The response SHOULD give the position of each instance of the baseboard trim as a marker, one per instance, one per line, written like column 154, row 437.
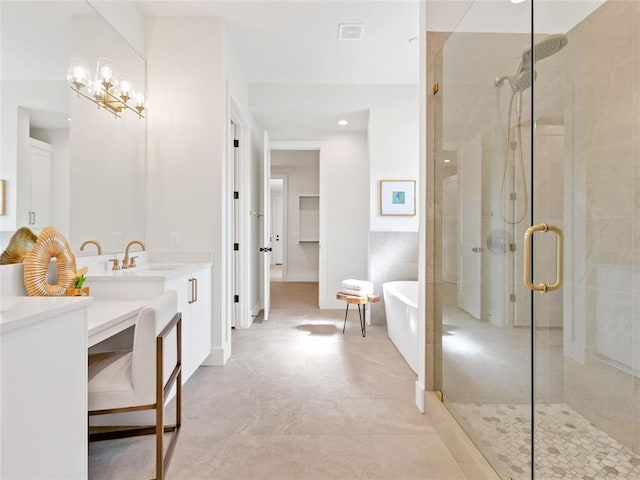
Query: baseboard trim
column 420, row 392
column 218, row 357
column 473, row 465
column 255, row 310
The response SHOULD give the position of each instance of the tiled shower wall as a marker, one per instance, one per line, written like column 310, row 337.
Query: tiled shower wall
column 602, row 341
column 394, row 256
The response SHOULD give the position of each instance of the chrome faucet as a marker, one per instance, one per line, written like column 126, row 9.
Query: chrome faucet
column 126, row 263
column 93, row 242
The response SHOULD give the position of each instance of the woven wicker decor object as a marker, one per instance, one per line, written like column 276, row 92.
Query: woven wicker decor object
column 21, row 242
column 50, row 244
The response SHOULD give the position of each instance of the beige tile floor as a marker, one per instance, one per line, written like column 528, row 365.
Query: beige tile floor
column 297, row 400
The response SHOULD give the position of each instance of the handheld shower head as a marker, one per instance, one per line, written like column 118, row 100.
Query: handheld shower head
column 524, row 80
column 499, row 81
column 521, row 81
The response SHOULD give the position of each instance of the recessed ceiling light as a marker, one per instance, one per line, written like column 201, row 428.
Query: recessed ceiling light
column 343, row 122
column 446, row 160
column 517, row 1
column 68, row 119
column 350, row 31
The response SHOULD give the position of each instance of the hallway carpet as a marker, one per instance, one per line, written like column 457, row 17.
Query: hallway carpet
column 297, row 400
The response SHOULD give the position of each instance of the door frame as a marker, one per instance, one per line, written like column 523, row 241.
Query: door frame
column 319, row 146
column 285, row 222
column 243, row 135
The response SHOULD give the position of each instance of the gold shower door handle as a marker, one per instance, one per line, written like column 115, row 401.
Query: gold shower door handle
column 528, row 238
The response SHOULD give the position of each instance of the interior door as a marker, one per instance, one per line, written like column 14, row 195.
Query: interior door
column 265, row 249
column 40, row 187
column 470, row 226
column 278, row 229
column 235, row 318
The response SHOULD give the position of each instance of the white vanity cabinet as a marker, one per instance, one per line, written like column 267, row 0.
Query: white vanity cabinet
column 194, row 301
column 193, row 286
column 43, row 378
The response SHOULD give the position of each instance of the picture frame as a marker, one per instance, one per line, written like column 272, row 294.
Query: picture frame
column 398, row 197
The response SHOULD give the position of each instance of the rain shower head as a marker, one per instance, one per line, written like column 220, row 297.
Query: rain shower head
column 543, row 48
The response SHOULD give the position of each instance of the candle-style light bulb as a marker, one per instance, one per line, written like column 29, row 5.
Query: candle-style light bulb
column 106, row 73
column 125, row 88
column 140, row 102
column 78, row 73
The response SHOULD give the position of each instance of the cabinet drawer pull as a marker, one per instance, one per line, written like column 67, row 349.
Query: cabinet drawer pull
column 190, row 291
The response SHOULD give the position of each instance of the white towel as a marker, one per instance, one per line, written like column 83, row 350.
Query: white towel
column 357, row 285
column 356, row 293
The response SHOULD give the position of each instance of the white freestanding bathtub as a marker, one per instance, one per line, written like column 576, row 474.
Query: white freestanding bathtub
column 401, row 308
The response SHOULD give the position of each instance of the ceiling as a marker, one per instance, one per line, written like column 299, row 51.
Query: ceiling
column 503, row 16
column 297, row 41
column 302, row 78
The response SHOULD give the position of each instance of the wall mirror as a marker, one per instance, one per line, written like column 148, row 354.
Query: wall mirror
column 66, row 162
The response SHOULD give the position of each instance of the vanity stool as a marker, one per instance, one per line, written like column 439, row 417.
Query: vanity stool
column 362, row 313
column 143, row 378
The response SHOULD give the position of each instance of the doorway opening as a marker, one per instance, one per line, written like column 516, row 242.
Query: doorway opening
column 278, row 226
column 295, row 228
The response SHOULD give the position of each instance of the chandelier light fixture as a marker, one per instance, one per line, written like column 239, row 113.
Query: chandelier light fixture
column 108, row 89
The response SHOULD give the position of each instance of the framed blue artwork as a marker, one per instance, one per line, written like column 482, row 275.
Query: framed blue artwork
column 397, row 197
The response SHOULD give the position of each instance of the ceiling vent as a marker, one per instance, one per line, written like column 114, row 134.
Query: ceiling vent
column 350, row 31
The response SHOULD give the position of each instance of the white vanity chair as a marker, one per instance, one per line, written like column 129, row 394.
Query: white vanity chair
column 143, row 378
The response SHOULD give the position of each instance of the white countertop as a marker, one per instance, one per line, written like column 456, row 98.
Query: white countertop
column 153, row 272
column 18, row 312
column 106, row 317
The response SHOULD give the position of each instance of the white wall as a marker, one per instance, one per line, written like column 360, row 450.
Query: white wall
column 186, row 149
column 344, row 170
column 302, row 168
column 238, row 111
column 125, row 18
column 388, row 112
column 393, row 143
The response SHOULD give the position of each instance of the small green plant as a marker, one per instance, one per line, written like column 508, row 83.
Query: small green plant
column 80, row 277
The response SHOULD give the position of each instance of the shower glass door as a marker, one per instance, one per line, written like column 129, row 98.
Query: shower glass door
column 536, row 143
column 482, row 143
column 586, row 181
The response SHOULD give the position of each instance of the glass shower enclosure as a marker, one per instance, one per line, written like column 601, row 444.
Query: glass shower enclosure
column 537, row 192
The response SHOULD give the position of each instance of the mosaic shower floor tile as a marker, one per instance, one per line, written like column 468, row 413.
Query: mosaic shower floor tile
column 568, row 446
